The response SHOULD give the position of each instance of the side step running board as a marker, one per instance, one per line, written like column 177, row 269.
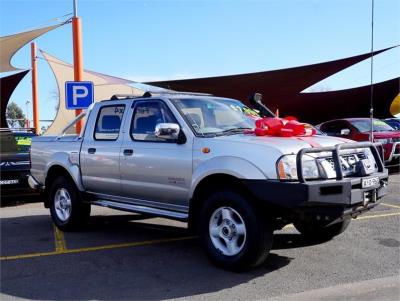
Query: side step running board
column 141, row 209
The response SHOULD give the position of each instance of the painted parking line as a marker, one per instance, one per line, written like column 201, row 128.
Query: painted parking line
column 99, row 248
column 59, row 240
column 377, row 215
column 290, row 226
column 390, row 205
column 147, row 242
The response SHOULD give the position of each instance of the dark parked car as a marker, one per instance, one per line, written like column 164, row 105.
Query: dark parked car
column 358, row 129
column 394, row 123
column 15, row 161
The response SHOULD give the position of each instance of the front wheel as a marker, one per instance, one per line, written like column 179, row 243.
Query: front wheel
column 322, row 232
column 66, row 207
column 234, row 235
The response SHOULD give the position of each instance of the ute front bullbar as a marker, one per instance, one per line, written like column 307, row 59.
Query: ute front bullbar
column 335, row 150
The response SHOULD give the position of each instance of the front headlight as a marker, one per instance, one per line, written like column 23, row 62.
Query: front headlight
column 287, row 169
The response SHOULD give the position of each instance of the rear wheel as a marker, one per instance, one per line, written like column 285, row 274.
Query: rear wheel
column 320, row 231
column 234, row 235
column 66, row 207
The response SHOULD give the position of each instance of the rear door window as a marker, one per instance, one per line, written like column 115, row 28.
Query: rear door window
column 108, row 122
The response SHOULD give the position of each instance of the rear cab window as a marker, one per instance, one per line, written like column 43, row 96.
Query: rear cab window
column 108, row 123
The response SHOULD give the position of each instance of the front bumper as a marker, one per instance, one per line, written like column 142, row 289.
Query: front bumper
column 345, row 192
column 326, row 202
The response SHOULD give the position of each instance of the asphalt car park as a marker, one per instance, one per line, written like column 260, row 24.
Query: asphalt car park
column 127, row 256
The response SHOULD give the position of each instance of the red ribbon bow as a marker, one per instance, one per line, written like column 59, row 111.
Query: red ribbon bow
column 282, row 127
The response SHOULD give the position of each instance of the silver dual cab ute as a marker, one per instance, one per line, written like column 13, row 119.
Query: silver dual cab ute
column 188, row 157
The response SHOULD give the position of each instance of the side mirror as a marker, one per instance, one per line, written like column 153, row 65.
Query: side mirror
column 169, row 131
column 344, row 132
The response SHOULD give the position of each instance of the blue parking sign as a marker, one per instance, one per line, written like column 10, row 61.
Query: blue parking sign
column 78, row 95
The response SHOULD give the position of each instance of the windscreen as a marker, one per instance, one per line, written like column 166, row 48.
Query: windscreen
column 365, row 125
column 216, row 116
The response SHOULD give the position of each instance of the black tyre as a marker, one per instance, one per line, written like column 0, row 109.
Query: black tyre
column 67, row 210
column 321, row 232
column 234, row 235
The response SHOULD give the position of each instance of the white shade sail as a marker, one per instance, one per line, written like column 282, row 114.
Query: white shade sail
column 105, row 86
column 9, row 45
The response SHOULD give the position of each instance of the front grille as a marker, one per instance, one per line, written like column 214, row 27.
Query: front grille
column 348, row 163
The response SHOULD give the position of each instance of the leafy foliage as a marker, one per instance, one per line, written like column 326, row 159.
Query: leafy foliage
column 15, row 116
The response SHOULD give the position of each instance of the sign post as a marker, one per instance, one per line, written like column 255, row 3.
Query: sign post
column 35, row 106
column 78, row 57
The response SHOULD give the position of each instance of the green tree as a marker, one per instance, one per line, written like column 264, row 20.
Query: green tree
column 15, row 115
column 44, row 128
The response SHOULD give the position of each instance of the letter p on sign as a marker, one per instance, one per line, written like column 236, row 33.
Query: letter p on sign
column 78, row 95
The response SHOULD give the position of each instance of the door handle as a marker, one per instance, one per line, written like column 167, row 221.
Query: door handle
column 91, row 150
column 128, row 152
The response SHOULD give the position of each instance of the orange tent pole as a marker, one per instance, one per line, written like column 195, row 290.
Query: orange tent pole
column 78, row 57
column 35, row 105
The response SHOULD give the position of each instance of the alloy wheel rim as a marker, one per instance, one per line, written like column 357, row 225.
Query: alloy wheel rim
column 227, row 231
column 62, row 204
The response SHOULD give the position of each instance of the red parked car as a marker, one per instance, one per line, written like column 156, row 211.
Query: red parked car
column 358, row 129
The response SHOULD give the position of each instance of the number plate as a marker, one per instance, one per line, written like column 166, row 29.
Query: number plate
column 9, row 182
column 370, row 182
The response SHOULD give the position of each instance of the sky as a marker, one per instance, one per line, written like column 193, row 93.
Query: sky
column 165, row 39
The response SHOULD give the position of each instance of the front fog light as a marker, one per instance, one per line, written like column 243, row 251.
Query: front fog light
column 287, row 169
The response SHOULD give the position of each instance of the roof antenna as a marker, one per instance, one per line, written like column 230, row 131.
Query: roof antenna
column 371, row 110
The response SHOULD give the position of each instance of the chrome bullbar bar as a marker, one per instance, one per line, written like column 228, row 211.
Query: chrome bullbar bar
column 336, row 157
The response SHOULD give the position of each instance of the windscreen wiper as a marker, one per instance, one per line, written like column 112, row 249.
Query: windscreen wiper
column 235, row 130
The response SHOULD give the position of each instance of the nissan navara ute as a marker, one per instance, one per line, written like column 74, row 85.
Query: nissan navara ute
column 194, row 158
